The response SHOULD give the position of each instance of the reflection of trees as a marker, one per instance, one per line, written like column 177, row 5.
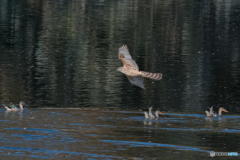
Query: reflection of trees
column 65, row 53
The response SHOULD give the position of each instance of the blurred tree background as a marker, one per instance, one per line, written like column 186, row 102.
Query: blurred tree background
column 64, row 53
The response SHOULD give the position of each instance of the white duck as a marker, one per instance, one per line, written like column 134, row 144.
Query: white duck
column 150, row 115
column 211, row 113
column 14, row 108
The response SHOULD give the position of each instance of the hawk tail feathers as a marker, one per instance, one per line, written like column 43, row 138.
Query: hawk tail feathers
column 155, row 76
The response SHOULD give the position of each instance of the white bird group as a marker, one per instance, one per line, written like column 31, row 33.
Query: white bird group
column 14, row 108
column 211, row 113
column 150, row 115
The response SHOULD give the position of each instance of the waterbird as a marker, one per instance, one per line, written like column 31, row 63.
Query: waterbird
column 14, row 108
column 131, row 69
column 210, row 112
column 150, row 115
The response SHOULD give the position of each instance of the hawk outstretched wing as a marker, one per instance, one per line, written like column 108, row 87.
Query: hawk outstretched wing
column 137, row 81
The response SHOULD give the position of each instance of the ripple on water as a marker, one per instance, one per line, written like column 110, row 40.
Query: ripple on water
column 4, row 121
column 150, row 144
column 48, row 135
column 40, row 130
column 91, row 125
column 162, row 119
column 42, row 153
column 30, row 137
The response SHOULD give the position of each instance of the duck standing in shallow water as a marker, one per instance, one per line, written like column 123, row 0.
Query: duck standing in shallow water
column 210, row 112
column 150, row 115
column 14, row 108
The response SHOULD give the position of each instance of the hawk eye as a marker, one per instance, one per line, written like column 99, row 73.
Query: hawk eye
column 121, row 56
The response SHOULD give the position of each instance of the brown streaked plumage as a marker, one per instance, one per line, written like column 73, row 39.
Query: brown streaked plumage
column 131, row 69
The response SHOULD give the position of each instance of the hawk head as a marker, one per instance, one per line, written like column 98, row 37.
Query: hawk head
column 120, row 56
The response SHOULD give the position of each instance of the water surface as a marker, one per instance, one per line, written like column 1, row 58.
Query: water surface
column 106, row 134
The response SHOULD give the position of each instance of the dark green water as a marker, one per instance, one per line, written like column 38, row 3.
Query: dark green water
column 64, row 54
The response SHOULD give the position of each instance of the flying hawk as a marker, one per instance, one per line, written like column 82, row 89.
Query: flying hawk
column 131, row 69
